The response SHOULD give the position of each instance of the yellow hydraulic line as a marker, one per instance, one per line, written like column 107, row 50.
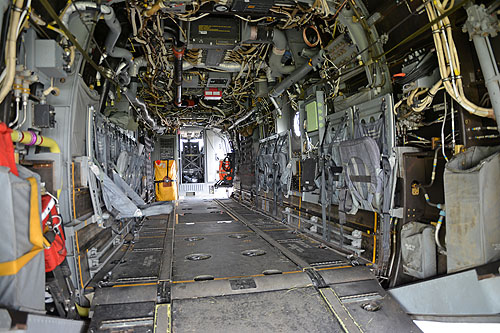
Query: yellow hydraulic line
column 73, row 187
column 31, row 138
column 135, row 285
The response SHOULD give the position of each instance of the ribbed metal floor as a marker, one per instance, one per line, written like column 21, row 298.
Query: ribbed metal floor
column 216, row 266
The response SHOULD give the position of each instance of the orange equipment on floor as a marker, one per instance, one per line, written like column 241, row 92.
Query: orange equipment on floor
column 226, row 172
column 166, row 180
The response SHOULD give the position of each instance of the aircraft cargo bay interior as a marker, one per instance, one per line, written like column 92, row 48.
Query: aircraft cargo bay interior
column 249, row 166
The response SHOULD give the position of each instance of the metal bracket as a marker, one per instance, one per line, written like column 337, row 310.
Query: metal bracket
column 479, row 22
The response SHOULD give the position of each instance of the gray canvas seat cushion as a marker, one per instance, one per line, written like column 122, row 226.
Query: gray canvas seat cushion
column 122, row 162
column 265, row 172
column 260, row 172
column 334, row 178
column 118, row 198
column 374, row 129
column 363, row 174
column 273, row 169
column 283, row 169
column 157, row 208
column 127, row 189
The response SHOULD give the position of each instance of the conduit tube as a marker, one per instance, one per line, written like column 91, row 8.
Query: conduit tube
column 240, row 120
column 116, row 52
column 83, row 6
column 178, row 54
column 490, row 71
column 138, row 63
column 30, row 138
column 156, row 7
column 10, row 50
column 4, row 5
column 224, row 66
column 449, row 64
column 138, row 102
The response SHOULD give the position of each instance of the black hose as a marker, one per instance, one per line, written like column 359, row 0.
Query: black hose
column 424, row 68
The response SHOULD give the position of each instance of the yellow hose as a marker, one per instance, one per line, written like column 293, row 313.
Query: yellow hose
column 31, row 138
column 447, row 57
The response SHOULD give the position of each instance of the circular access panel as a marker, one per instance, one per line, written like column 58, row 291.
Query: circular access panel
column 193, row 239
column 238, row 236
column 204, row 278
column 272, row 272
column 198, row 256
column 371, row 306
column 253, row 253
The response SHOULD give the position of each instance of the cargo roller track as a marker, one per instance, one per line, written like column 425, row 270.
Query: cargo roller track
column 217, row 266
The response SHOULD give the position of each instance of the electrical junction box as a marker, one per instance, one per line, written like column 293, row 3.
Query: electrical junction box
column 190, row 81
column 252, row 6
column 44, row 116
column 213, row 33
column 49, row 58
column 213, row 94
column 218, row 80
column 214, row 57
column 176, row 6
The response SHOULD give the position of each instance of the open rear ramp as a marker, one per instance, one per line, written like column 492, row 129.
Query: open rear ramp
column 292, row 310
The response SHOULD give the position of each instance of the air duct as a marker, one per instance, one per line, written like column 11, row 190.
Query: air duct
column 280, row 43
column 131, row 94
column 141, row 105
column 297, row 75
column 112, row 22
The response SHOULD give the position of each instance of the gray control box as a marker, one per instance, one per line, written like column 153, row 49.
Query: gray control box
column 218, row 80
column 49, row 58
